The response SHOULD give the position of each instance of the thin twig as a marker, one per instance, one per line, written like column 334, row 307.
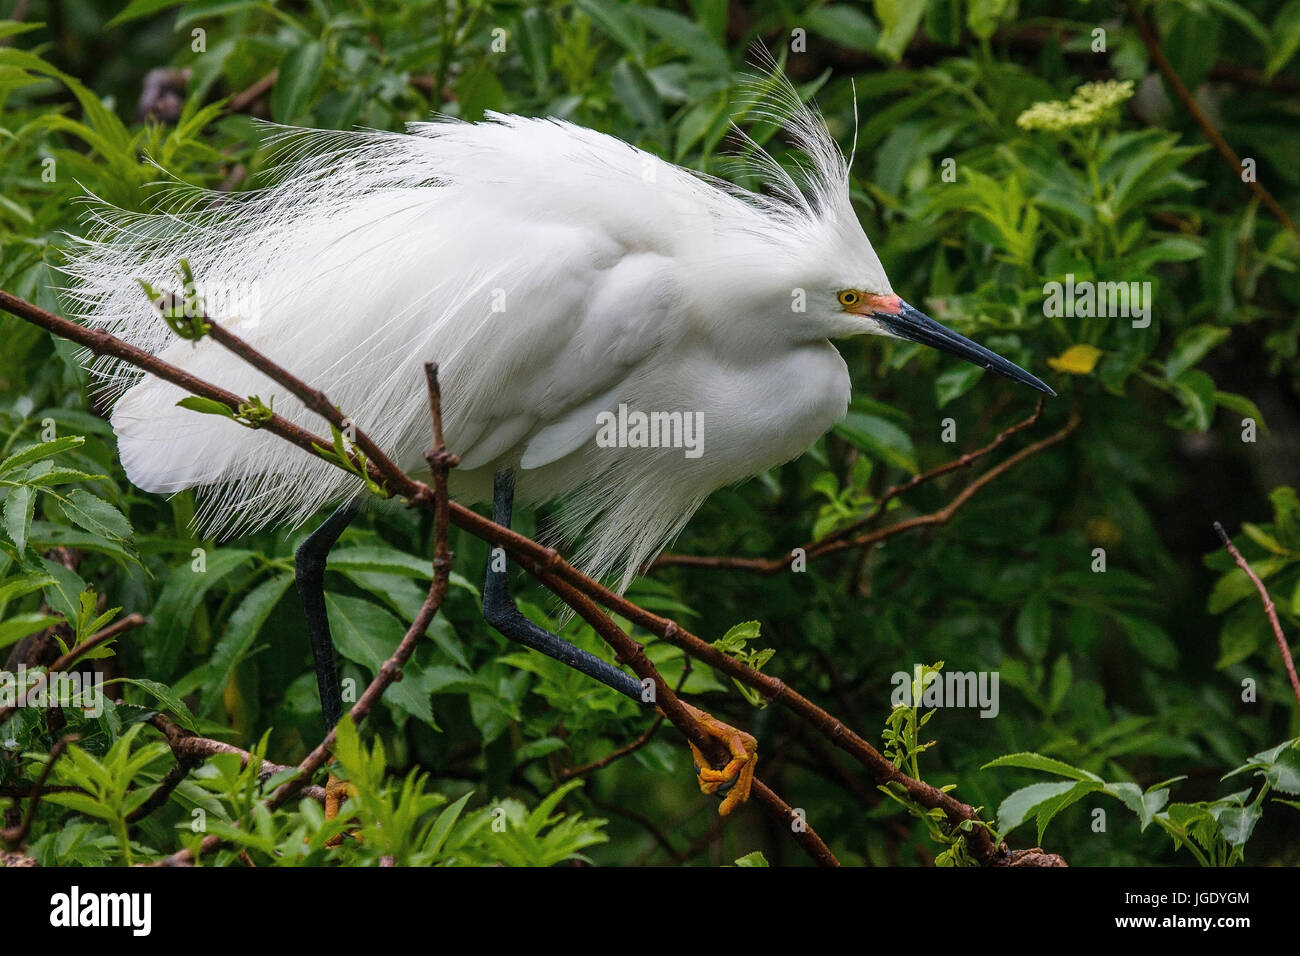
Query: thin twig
column 568, row 773
column 1152, row 41
column 116, row 629
column 243, row 100
column 17, row 836
column 841, row 539
column 170, row 781
column 1269, row 609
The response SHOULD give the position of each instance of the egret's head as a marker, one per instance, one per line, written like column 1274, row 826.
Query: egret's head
column 855, row 310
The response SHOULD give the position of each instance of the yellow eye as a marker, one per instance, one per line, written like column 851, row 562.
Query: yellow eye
column 849, row 298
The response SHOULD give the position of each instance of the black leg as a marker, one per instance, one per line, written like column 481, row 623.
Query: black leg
column 500, row 612
column 309, row 572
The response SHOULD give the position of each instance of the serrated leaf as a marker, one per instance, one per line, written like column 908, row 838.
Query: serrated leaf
column 25, row 456
column 96, row 515
column 1028, row 760
column 1145, row 804
column 1020, row 805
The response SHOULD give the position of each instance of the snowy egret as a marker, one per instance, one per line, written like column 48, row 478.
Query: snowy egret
column 613, row 332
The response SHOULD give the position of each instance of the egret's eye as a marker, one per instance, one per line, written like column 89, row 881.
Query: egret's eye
column 849, row 298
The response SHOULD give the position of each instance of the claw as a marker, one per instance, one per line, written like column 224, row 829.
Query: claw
column 736, row 778
column 336, row 791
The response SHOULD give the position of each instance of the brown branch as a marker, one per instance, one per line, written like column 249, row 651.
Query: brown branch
column 240, row 102
column 1152, row 41
column 568, row 773
column 189, row 747
column 1269, row 609
column 116, row 629
column 170, row 781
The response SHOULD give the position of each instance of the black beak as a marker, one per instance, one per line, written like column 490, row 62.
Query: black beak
column 915, row 326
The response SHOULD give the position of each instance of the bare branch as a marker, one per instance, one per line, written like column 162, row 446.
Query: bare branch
column 1269, row 609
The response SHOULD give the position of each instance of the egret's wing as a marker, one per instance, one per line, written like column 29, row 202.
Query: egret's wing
column 566, row 358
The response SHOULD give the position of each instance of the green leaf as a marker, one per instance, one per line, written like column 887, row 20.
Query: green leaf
column 1244, row 632
column 956, row 382
column 535, row 42
column 898, row 22
column 1145, row 805
column 755, row 858
column 1235, row 585
column 1191, row 346
column 19, row 507
column 242, row 628
column 1024, row 803
column 17, row 626
column 637, row 94
column 10, row 28
column 1195, row 390
column 1034, row 625
column 368, row 634
column 300, row 70
column 1032, row 761
column 684, row 35
column 33, row 453
column 844, row 24
column 1045, row 811
column 613, row 18
column 443, row 825
column 1286, row 34
column 880, row 438
column 96, row 515
column 64, row 594
column 206, row 406
column 168, row 698
column 1238, row 823
column 983, row 16
column 380, row 559
column 180, row 597
column 1241, row 405
column 24, row 584
column 141, row 8
column 1150, row 640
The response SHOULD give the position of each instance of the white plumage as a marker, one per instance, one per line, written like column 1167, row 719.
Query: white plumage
column 553, row 273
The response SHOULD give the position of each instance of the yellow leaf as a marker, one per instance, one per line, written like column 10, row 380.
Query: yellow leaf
column 1077, row 359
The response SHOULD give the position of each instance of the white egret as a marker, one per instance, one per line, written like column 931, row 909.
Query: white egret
column 557, row 275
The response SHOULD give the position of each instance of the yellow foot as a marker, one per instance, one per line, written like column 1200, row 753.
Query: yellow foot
column 737, row 776
column 336, row 791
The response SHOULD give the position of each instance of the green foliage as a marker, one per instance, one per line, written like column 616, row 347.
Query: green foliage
column 1121, row 669
column 1215, row 832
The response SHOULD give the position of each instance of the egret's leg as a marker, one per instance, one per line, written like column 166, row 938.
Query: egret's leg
column 309, row 572
column 500, row 612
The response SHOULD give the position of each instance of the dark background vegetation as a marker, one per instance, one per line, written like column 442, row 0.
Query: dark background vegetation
column 1134, row 674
